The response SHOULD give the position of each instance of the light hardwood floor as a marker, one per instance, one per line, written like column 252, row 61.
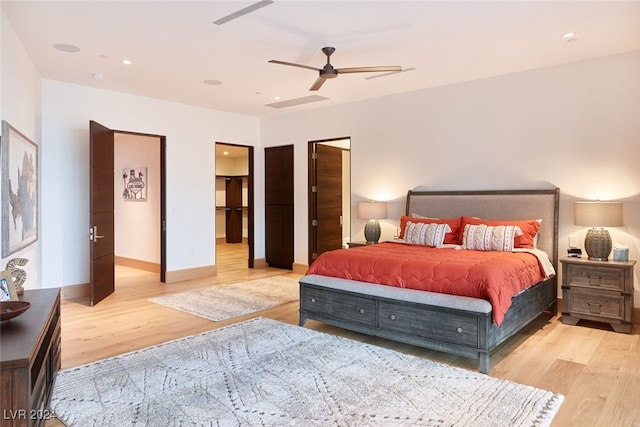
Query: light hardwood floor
column 596, row 369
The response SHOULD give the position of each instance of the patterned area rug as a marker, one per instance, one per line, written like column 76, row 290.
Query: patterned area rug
column 224, row 302
column 262, row 372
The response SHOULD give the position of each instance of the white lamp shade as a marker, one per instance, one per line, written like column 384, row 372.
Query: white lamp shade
column 597, row 214
column 372, row 210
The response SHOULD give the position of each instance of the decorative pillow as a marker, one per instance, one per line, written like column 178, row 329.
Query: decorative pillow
column 425, row 234
column 452, row 237
column 528, row 227
column 484, row 237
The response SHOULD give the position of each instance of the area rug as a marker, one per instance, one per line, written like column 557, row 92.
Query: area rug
column 262, row 372
column 224, row 302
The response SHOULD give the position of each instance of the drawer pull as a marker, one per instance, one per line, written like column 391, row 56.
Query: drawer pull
column 594, row 307
column 313, row 300
column 362, row 311
column 594, row 280
column 459, row 330
column 392, row 317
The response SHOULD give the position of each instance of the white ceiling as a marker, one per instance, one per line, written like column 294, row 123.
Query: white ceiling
column 174, row 46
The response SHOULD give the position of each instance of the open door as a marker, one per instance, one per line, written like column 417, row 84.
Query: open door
column 325, row 197
column 101, row 212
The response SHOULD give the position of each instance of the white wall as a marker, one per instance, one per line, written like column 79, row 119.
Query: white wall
column 575, row 127
column 137, row 222
column 20, row 106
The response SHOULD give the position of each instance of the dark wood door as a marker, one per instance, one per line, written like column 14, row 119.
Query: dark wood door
column 101, row 211
column 279, row 206
column 233, row 203
column 326, row 194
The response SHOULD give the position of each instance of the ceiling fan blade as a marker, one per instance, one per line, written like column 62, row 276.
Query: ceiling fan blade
column 368, row 69
column 318, row 83
column 275, row 61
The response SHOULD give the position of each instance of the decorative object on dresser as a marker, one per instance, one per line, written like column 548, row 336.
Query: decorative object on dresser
column 30, row 359
column 372, row 212
column 598, row 215
column 598, row 290
column 18, row 275
column 373, row 302
column 262, row 372
column 8, row 290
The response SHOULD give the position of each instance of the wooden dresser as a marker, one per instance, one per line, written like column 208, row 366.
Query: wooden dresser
column 598, row 290
column 30, row 359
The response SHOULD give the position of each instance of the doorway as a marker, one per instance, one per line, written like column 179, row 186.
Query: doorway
column 137, row 201
column 329, row 195
column 108, row 184
column 234, row 202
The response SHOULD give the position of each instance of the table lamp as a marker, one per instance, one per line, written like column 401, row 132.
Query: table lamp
column 372, row 212
column 597, row 215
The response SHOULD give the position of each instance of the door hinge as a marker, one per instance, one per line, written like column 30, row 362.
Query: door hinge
column 314, row 255
column 164, row 225
column 314, row 188
column 314, row 222
column 314, row 156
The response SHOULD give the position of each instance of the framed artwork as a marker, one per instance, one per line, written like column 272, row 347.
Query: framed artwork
column 19, row 190
column 135, row 184
column 7, row 288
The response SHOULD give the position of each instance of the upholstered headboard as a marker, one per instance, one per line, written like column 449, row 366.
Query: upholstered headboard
column 495, row 204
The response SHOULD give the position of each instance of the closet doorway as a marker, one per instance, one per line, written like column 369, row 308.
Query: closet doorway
column 234, row 202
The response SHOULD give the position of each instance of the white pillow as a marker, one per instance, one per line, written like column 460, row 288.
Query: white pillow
column 425, row 234
column 484, row 237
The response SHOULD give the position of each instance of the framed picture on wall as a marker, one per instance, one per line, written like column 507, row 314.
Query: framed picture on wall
column 135, row 184
column 19, row 190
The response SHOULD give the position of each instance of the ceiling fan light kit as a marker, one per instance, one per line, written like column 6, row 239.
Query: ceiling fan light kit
column 328, row 72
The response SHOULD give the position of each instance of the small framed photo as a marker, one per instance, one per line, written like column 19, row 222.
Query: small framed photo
column 7, row 288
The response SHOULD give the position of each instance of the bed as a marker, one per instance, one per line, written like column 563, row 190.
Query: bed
column 463, row 325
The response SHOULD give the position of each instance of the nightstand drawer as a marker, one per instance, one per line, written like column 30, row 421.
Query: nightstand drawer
column 610, row 278
column 596, row 304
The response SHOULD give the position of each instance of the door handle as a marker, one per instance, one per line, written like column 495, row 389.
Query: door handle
column 93, row 234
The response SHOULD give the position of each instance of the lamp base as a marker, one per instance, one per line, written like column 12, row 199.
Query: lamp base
column 598, row 244
column 372, row 231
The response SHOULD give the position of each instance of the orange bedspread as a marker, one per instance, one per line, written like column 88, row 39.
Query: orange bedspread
column 494, row 276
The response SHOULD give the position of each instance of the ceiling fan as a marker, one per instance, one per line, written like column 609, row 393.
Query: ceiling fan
column 328, row 72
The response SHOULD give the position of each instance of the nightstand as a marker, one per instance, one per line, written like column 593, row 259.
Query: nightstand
column 598, row 290
column 357, row 244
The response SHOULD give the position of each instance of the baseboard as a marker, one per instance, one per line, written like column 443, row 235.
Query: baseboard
column 75, row 291
column 190, row 273
column 138, row 264
column 260, row 263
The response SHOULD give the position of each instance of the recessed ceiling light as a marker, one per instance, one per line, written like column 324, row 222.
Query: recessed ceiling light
column 212, row 82
column 276, row 98
column 98, row 76
column 568, row 35
column 126, row 61
column 66, row 47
